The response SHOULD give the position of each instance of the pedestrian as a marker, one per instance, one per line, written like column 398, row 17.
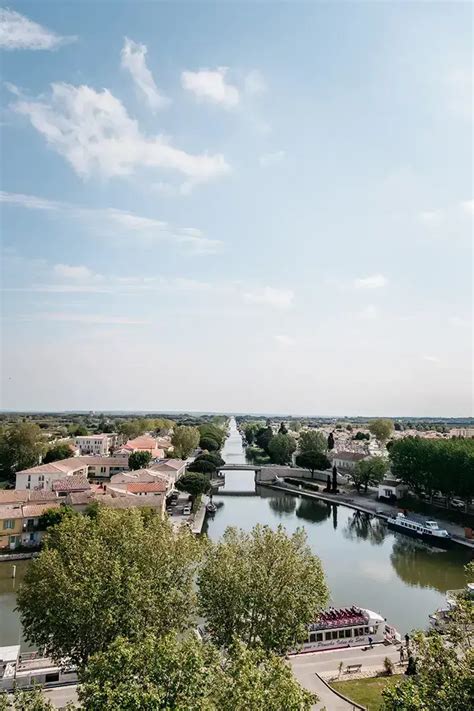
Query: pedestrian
column 370, row 642
column 402, row 655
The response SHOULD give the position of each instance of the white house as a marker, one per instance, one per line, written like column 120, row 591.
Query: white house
column 93, row 444
column 44, row 475
column 346, row 461
column 392, row 489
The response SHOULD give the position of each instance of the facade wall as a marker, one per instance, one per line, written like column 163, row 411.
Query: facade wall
column 10, row 532
column 35, row 481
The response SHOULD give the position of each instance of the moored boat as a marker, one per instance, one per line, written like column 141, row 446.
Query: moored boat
column 348, row 627
column 419, row 527
column 211, row 508
column 442, row 615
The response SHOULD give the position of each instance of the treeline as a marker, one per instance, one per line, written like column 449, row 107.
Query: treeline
column 435, row 466
column 278, row 448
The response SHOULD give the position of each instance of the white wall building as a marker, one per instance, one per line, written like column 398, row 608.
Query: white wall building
column 93, row 444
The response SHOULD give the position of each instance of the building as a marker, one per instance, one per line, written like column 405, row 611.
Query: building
column 32, row 533
column 11, row 526
column 100, row 468
column 392, row 489
column 144, row 443
column 172, row 467
column 345, row 462
column 94, row 444
column 120, row 482
column 43, row 476
column 71, row 484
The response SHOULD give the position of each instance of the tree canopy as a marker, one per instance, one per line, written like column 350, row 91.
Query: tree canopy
column 263, row 587
column 381, row 429
column 57, row 452
column 211, row 437
column 369, row 472
column 120, row 573
column 139, row 460
column 312, row 460
column 312, row 441
column 21, row 447
column 202, row 465
column 281, row 447
column 168, row 674
column 184, row 440
column 194, row 483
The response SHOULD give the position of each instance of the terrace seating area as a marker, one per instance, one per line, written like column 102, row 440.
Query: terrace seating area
column 342, row 617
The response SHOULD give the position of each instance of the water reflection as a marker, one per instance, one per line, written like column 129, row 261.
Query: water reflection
column 334, row 516
column 365, row 527
column 282, row 505
column 314, row 511
column 421, row 566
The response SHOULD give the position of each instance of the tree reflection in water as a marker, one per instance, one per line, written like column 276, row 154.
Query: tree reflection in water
column 334, row 516
column 366, row 527
column 314, row 511
column 282, row 505
column 423, row 566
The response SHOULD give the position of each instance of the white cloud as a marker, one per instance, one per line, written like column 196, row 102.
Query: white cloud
column 85, row 318
column 18, row 32
column 468, row 206
column 267, row 295
column 134, row 60
column 431, row 359
column 285, row 341
column 94, row 133
column 431, row 218
column 66, row 271
column 268, row 159
column 369, row 313
column 210, row 85
column 112, row 222
column 375, row 281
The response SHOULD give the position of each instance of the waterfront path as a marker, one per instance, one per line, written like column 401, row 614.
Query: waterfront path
column 366, row 505
column 312, row 669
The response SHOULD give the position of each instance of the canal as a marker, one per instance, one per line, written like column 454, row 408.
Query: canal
column 365, row 563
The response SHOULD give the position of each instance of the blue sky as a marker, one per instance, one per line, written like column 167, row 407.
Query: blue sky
column 237, row 207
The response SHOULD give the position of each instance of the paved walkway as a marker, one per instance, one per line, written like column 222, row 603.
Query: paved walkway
column 306, row 668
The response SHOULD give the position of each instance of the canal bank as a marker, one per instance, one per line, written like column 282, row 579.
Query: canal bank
column 365, row 563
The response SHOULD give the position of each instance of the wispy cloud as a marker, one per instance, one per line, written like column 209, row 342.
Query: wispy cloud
column 19, row 32
column 285, row 341
column 468, row 206
column 374, row 281
column 134, row 60
column 254, row 83
column 368, row 313
column 211, row 85
column 94, row 133
column 111, row 221
column 84, row 318
column 431, row 359
column 269, row 296
column 269, row 159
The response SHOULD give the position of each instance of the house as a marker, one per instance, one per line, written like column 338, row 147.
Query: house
column 94, row 444
column 144, row 443
column 127, row 502
column 120, row 483
column 71, row 484
column 32, row 535
column 392, row 489
column 43, row 475
column 100, row 468
column 11, row 526
column 172, row 467
column 345, row 461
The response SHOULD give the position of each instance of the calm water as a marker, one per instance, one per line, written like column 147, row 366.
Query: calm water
column 365, row 563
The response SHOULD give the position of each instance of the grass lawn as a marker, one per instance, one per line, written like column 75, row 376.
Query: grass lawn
column 367, row 692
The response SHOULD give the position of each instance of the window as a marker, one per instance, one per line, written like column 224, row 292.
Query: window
column 319, row 637
column 348, row 633
column 366, row 630
column 312, row 637
column 8, row 524
column 340, row 634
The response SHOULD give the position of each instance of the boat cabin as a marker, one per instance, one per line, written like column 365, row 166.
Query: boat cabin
column 347, row 627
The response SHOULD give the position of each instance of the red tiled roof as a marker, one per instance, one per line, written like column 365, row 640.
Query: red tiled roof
column 35, row 510
column 12, row 496
column 146, row 487
column 71, row 483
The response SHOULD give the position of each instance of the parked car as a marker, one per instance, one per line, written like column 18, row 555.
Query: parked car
column 458, row 504
column 186, row 510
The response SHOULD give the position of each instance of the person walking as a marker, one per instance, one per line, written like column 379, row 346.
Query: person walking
column 371, row 642
column 402, row 655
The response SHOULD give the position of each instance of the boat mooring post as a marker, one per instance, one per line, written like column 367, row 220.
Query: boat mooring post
column 13, row 571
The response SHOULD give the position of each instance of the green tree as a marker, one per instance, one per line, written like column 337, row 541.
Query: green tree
column 295, row 425
column 253, row 680
column 330, row 443
column 184, row 440
column 154, row 673
column 283, row 429
column 21, row 447
column 313, row 460
column 281, row 447
column 51, row 517
column 263, row 587
column 139, row 460
column 57, row 452
column 369, row 472
column 381, row 429
column 263, row 437
column 185, row 675
column 78, row 430
column 202, row 465
column 209, row 443
column 194, row 483
column 250, row 430
column 213, row 432
column 120, row 573
column 361, row 435
column 312, row 441
column 213, row 457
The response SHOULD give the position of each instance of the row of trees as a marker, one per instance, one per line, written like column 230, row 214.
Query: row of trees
column 279, row 448
column 435, row 466
column 118, row 593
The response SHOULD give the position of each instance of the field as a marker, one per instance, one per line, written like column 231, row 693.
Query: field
column 367, row 692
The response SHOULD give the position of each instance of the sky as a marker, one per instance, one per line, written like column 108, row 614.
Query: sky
column 237, row 206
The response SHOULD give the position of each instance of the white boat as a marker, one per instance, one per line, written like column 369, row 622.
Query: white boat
column 348, row 627
column 30, row 669
column 420, row 527
column 440, row 617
